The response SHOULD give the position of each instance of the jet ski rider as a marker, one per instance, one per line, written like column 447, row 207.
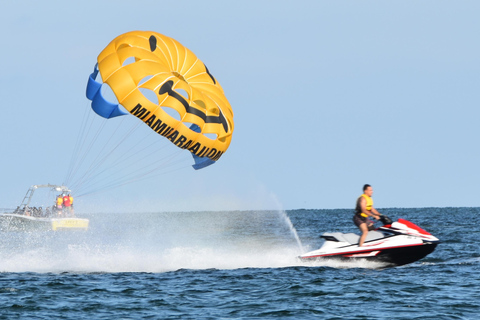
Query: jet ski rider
column 363, row 210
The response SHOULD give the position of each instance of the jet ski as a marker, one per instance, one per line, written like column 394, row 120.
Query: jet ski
column 393, row 244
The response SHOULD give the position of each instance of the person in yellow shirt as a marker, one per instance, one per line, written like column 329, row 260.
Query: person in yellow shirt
column 363, row 210
column 59, row 204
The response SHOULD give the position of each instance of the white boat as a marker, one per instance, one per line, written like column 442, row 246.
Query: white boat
column 26, row 218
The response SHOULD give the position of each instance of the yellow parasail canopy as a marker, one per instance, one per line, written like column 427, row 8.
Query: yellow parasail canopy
column 165, row 85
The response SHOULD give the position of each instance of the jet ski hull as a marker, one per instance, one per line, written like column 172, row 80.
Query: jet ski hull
column 392, row 257
column 404, row 255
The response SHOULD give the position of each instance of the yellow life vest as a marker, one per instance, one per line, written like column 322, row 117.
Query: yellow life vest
column 368, row 206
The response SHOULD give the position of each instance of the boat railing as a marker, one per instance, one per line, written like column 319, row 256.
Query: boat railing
column 41, row 212
column 28, row 196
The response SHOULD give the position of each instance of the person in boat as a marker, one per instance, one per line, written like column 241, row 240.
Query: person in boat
column 59, row 205
column 363, row 210
column 72, row 213
column 67, row 204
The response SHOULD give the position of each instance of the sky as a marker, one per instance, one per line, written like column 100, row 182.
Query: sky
column 327, row 96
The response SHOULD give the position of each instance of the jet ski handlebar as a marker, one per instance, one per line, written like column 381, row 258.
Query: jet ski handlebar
column 385, row 220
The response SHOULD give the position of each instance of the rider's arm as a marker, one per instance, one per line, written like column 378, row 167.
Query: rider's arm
column 375, row 214
column 363, row 205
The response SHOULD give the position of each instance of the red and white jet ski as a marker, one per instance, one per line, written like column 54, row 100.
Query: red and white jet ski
column 394, row 244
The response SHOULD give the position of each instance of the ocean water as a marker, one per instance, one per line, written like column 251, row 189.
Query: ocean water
column 234, row 265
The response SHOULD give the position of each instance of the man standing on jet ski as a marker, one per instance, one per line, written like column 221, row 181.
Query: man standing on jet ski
column 363, row 210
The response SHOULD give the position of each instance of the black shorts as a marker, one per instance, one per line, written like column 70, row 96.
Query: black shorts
column 358, row 220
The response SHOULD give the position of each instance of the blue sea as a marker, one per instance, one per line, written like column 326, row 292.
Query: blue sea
column 234, row 265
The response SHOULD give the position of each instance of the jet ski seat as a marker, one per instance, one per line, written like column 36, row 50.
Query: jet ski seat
column 374, row 235
column 351, row 238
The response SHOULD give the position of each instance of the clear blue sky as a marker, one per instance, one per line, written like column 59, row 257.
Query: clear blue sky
column 327, row 96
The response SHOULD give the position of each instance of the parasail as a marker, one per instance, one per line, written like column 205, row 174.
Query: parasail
column 165, row 85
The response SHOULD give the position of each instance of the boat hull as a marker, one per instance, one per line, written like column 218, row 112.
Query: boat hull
column 18, row 222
